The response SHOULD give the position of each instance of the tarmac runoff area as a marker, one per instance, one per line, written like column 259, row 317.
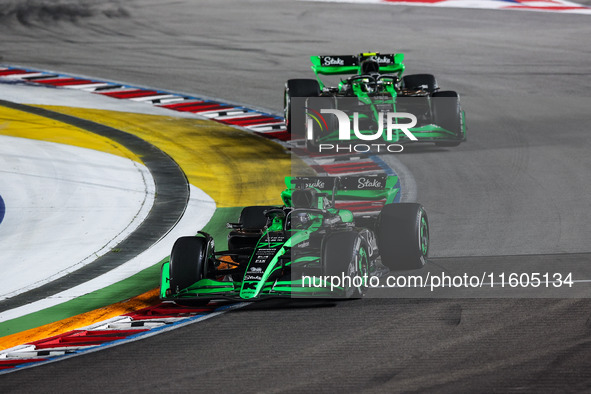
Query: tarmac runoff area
column 78, row 194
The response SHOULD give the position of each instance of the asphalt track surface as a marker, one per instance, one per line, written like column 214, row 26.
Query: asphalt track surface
column 517, row 192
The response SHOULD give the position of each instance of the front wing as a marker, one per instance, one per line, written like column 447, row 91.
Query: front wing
column 208, row 289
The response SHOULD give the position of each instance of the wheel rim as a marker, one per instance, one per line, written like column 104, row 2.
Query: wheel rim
column 286, row 103
column 351, row 272
column 355, row 269
column 363, row 262
column 424, row 235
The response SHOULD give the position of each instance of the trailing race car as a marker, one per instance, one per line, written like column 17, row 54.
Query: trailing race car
column 377, row 86
column 272, row 250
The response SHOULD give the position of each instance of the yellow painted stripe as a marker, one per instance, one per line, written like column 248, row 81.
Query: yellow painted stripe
column 25, row 125
column 234, row 167
column 85, row 319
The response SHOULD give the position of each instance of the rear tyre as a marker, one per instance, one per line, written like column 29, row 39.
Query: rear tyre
column 403, row 236
column 447, row 113
column 188, row 262
column 297, row 88
column 344, row 254
column 420, row 81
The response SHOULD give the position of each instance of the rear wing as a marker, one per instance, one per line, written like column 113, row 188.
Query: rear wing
column 361, row 194
column 349, row 64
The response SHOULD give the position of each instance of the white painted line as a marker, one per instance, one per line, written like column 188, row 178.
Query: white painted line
column 217, row 113
column 199, row 210
column 152, row 98
column 86, row 86
column 237, row 115
column 266, row 127
column 65, row 207
column 21, row 76
column 557, row 6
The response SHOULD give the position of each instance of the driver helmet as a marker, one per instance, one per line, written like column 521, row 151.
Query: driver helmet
column 299, row 220
column 369, row 67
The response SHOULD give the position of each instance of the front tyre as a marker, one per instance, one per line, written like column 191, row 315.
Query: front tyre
column 188, row 262
column 403, row 236
column 447, row 113
column 345, row 256
column 297, row 88
column 420, row 81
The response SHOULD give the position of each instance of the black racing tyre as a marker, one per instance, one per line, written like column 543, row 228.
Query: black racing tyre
column 297, row 88
column 447, row 113
column 420, row 81
column 188, row 262
column 345, row 254
column 253, row 217
column 403, row 236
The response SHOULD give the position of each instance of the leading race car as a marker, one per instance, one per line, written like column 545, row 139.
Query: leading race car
column 286, row 251
column 378, row 86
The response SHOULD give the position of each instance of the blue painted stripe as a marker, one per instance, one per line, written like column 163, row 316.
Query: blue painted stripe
column 144, row 334
column 2, row 209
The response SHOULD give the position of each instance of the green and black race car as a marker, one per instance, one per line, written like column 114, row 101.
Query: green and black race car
column 376, row 87
column 293, row 250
